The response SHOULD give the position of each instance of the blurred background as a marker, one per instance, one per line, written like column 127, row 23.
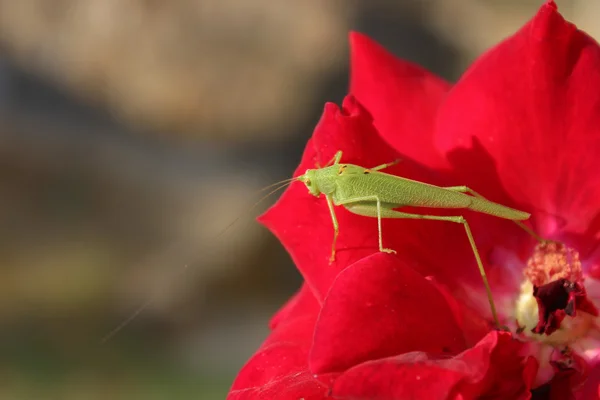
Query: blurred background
column 133, row 132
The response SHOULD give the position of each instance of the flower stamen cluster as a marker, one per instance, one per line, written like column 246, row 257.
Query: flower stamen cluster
column 552, row 261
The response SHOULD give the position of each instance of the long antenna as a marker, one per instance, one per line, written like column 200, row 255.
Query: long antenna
column 282, row 184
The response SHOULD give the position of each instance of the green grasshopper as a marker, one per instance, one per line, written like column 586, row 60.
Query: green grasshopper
column 368, row 192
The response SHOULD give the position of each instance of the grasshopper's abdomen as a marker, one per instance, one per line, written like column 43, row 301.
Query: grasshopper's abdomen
column 396, row 192
column 497, row 210
column 418, row 194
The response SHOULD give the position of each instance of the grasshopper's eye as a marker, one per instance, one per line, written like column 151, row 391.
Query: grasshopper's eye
column 307, row 181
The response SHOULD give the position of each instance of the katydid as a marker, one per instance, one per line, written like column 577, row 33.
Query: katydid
column 368, row 192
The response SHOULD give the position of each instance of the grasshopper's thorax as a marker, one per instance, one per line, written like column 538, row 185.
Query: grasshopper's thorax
column 319, row 181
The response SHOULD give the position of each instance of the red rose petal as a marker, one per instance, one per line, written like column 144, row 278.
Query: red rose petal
column 472, row 323
column 279, row 370
column 492, row 369
column 402, row 98
column 389, row 86
column 589, row 389
column 303, row 224
column 532, row 105
column 576, row 382
column 302, row 303
column 292, row 386
column 270, row 363
column 380, row 307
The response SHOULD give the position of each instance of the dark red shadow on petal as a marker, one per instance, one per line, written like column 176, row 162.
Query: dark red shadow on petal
column 475, row 167
column 533, row 102
column 380, row 307
column 402, row 97
column 471, row 322
column 492, row 369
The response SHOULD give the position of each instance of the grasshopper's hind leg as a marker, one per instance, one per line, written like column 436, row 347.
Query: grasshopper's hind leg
column 366, row 210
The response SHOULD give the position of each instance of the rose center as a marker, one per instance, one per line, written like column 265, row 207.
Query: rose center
column 553, row 306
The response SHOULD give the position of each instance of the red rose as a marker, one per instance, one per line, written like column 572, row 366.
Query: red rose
column 521, row 127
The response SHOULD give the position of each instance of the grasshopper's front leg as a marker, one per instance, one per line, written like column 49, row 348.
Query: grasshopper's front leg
column 336, row 228
column 384, row 166
column 335, row 160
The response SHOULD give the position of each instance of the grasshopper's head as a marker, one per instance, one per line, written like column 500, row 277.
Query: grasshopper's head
column 309, row 179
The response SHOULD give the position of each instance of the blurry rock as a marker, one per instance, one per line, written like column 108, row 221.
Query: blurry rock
column 474, row 26
column 203, row 67
column 87, row 218
column 587, row 14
